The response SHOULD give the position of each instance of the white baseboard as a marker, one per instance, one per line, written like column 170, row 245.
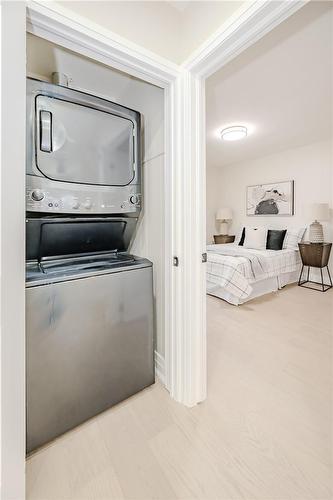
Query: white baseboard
column 160, row 367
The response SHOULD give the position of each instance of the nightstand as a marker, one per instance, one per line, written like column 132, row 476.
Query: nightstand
column 315, row 255
column 223, row 238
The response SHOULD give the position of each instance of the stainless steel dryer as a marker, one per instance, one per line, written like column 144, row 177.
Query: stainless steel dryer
column 89, row 322
column 83, row 153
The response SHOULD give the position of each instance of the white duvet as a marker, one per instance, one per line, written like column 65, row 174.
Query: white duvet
column 234, row 268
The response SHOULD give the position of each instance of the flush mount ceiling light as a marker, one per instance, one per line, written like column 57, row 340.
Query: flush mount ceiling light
column 234, row 133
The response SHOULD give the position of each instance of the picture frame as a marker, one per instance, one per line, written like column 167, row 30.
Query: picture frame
column 272, row 199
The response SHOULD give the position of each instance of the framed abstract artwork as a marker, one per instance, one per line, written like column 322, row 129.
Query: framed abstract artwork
column 276, row 198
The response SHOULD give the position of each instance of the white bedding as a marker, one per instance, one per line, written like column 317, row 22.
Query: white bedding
column 233, row 272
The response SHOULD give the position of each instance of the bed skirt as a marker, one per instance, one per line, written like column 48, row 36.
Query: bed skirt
column 259, row 288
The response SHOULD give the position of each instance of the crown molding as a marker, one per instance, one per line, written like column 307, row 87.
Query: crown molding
column 243, row 29
column 61, row 26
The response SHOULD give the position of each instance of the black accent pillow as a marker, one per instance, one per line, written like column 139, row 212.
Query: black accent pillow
column 275, row 239
column 242, row 238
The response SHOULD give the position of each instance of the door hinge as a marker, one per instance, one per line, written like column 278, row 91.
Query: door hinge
column 175, row 261
column 204, row 257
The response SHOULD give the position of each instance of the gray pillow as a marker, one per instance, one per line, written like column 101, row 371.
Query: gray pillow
column 242, row 238
column 275, row 239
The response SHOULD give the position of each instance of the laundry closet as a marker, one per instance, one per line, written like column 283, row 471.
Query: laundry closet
column 108, row 220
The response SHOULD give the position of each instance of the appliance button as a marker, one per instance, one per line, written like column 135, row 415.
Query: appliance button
column 87, row 204
column 37, row 195
column 50, row 205
column 134, row 199
column 75, row 204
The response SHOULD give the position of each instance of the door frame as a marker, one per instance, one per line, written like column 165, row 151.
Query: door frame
column 185, row 316
column 248, row 25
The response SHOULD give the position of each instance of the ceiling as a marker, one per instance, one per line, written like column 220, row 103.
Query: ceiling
column 171, row 29
column 281, row 87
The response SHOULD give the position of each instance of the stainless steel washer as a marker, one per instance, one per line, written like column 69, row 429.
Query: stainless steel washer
column 89, row 325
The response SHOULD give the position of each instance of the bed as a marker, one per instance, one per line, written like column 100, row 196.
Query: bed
column 238, row 274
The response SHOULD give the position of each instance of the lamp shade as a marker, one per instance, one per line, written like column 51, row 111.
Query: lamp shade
column 224, row 214
column 320, row 211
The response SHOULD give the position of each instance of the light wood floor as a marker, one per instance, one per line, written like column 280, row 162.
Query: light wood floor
column 263, row 433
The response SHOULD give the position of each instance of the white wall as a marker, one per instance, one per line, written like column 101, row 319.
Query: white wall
column 156, row 26
column 200, row 19
column 42, row 59
column 12, row 269
column 309, row 166
column 170, row 29
column 213, row 200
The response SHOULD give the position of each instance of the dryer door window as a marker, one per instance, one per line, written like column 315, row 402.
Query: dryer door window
column 78, row 144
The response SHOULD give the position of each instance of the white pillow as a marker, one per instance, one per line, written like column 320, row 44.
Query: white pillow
column 239, row 235
column 293, row 237
column 255, row 238
column 240, row 232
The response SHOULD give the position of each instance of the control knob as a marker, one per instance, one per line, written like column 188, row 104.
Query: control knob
column 134, row 199
column 37, row 195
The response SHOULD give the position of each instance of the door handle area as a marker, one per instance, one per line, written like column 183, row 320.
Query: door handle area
column 204, row 257
column 45, row 127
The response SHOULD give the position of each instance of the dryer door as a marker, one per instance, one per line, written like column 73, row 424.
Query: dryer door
column 80, row 144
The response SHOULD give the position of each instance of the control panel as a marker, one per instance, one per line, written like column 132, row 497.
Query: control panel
column 84, row 201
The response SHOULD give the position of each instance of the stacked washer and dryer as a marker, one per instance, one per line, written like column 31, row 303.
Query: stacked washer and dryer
column 89, row 303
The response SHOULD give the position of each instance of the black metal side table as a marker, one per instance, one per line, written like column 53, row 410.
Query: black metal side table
column 315, row 255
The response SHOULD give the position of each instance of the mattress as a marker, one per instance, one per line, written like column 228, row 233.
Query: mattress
column 237, row 274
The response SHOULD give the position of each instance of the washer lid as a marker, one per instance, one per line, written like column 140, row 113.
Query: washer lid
column 60, row 237
column 68, row 238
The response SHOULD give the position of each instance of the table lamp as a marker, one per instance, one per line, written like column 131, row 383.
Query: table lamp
column 224, row 215
column 320, row 212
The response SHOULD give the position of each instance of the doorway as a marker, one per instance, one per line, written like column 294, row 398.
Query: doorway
column 260, row 328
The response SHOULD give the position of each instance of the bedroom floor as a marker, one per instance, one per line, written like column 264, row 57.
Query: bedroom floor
column 263, row 433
